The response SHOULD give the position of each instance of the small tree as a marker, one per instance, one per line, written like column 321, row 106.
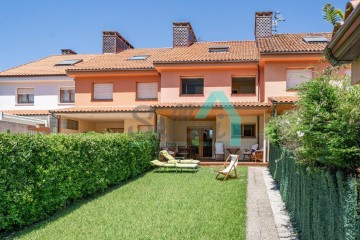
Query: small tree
column 324, row 129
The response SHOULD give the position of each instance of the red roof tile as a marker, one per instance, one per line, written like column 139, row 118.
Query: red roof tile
column 212, row 105
column 26, row 112
column 46, row 66
column 292, row 43
column 284, row 99
column 90, row 109
column 121, row 61
column 239, row 51
column 198, row 52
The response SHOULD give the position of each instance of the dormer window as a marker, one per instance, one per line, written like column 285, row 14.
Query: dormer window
column 217, row 49
column 69, row 62
column 139, row 57
column 316, row 39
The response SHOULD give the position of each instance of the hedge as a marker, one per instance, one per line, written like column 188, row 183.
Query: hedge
column 40, row 174
column 322, row 204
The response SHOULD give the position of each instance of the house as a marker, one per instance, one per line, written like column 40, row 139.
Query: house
column 195, row 93
column 344, row 47
column 30, row 91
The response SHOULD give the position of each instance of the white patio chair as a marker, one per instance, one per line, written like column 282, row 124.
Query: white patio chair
column 234, row 159
column 219, row 150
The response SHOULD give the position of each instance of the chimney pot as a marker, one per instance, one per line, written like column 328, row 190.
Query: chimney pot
column 113, row 42
column 263, row 24
column 67, row 52
column 183, row 34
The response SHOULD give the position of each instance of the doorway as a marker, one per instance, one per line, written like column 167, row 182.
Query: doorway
column 201, row 140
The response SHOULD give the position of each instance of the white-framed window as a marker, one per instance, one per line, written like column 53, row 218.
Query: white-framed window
column 147, row 91
column 25, row 95
column 294, row 77
column 67, row 95
column 103, row 91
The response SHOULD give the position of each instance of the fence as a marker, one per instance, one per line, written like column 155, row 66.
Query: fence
column 322, row 204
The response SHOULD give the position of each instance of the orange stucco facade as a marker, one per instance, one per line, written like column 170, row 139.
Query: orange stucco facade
column 270, row 74
column 124, row 89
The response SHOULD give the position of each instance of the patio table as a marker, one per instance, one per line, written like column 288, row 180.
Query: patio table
column 233, row 150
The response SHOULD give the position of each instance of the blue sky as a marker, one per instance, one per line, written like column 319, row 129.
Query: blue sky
column 30, row 30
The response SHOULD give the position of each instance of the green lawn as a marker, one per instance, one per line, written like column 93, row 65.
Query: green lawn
column 155, row 206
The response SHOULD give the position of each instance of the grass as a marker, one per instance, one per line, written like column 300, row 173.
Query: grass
column 155, row 206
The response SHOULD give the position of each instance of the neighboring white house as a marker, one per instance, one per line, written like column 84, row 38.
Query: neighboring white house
column 33, row 89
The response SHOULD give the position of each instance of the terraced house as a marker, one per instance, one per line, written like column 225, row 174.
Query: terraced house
column 194, row 94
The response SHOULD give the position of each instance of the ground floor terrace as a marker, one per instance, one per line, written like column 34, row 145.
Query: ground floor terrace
column 191, row 130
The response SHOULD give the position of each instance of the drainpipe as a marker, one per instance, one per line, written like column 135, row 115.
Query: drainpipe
column 156, row 121
column 275, row 110
column 258, row 130
column 258, row 69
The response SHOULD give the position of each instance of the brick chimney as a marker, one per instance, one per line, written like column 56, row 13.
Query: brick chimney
column 67, row 52
column 183, row 34
column 263, row 24
column 113, row 42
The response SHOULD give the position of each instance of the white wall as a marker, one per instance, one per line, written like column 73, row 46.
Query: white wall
column 46, row 92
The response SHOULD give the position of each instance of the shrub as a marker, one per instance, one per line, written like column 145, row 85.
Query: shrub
column 324, row 128
column 40, row 174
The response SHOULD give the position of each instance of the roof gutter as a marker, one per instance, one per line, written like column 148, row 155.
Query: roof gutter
column 337, row 51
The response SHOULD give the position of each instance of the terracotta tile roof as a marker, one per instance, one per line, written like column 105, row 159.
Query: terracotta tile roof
column 26, row 112
column 290, row 43
column 46, row 66
column 120, row 61
column 100, row 109
column 199, row 52
column 283, row 99
column 211, row 105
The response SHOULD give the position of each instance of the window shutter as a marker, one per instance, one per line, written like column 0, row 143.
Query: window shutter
column 296, row 76
column 103, row 91
column 147, row 90
column 25, row 91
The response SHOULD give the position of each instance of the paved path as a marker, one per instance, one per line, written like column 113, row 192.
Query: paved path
column 263, row 201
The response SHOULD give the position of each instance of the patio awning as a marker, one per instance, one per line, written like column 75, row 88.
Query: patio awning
column 21, row 119
column 190, row 110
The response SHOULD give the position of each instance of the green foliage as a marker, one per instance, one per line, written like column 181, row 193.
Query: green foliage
column 332, row 15
column 155, row 206
column 324, row 129
column 322, row 204
column 40, row 174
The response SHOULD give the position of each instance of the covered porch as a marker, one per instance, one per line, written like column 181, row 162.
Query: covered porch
column 105, row 119
column 186, row 126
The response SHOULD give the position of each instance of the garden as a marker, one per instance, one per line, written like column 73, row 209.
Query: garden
column 101, row 186
column 315, row 158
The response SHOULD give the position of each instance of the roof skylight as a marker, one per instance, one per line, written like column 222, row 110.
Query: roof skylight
column 68, row 62
column 219, row 49
column 139, row 57
column 315, row 39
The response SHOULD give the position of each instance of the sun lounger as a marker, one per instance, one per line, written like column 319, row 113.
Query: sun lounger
column 176, row 166
column 171, row 159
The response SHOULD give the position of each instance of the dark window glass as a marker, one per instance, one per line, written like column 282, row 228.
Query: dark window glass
column 249, row 130
column 243, row 85
column 192, row 86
